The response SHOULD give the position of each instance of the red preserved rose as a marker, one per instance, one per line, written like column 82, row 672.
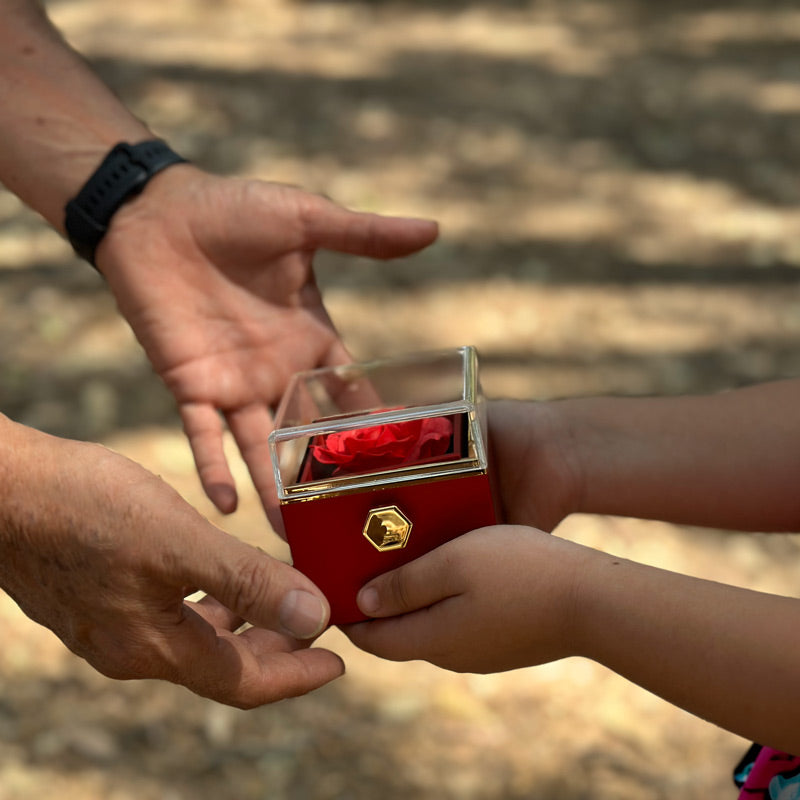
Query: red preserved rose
column 384, row 446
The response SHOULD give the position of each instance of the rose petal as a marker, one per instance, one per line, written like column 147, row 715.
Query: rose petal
column 383, row 446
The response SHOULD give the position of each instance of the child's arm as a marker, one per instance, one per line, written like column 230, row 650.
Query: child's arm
column 510, row 596
column 730, row 460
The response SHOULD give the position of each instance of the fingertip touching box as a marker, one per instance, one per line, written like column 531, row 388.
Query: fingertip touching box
column 378, row 463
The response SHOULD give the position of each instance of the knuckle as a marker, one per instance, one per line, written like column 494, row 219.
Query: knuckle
column 248, row 586
column 399, row 590
column 308, row 207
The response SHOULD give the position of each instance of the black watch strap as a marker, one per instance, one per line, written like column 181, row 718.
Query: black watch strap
column 123, row 173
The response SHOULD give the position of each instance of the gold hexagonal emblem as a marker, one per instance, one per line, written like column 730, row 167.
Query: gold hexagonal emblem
column 387, row 528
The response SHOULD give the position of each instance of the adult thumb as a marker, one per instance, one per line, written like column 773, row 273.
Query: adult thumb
column 257, row 588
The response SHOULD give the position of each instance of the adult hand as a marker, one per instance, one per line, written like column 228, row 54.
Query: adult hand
column 104, row 553
column 494, row 599
column 215, row 277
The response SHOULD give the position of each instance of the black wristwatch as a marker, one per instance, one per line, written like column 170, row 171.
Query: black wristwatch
column 123, row 173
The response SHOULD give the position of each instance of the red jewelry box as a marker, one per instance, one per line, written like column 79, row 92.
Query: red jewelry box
column 378, row 463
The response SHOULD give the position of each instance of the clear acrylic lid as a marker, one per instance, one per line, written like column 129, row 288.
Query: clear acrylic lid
column 366, row 405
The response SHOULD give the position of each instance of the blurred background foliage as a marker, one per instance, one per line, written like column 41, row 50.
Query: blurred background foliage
column 618, row 188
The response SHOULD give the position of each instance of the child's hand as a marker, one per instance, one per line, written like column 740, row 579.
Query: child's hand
column 505, row 597
column 495, row 599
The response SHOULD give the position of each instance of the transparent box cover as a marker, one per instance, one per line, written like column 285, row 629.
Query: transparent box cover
column 352, row 427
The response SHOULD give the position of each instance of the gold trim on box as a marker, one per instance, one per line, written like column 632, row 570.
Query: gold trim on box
column 387, row 528
column 475, row 462
column 374, row 483
column 472, row 464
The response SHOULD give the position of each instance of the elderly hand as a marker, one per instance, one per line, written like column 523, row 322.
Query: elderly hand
column 104, row 554
column 215, row 277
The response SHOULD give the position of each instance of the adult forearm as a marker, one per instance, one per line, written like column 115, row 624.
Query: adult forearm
column 32, row 468
column 28, row 502
column 18, row 466
column 729, row 460
column 57, row 118
column 721, row 652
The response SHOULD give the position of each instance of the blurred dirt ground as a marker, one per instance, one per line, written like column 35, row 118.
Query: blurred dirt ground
column 617, row 183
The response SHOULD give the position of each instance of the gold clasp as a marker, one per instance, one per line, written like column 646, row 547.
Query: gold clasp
column 387, row 528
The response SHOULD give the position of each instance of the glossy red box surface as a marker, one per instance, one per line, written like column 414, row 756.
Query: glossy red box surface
column 328, row 544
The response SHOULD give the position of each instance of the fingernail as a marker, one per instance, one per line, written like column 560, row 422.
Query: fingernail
column 368, row 601
column 223, row 497
column 302, row 614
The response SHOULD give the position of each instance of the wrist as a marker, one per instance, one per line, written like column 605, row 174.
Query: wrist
column 122, row 174
column 563, row 452
column 597, row 592
column 571, row 580
column 603, row 446
column 144, row 227
column 537, row 461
